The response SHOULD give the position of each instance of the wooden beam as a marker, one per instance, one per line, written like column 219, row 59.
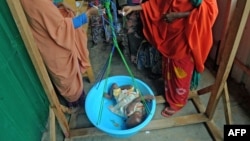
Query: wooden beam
column 225, row 28
column 176, row 121
column 24, row 29
column 232, row 40
column 242, row 66
column 211, row 127
column 153, row 125
column 52, row 125
column 214, row 131
column 205, row 90
column 226, row 104
column 160, row 99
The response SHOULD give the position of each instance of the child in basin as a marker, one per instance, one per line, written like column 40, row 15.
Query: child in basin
column 129, row 104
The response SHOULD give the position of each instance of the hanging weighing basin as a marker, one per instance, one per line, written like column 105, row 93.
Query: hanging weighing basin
column 97, row 107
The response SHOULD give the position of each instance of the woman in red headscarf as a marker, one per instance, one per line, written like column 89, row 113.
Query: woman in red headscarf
column 182, row 31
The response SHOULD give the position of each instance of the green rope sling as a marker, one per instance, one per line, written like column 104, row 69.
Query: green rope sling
column 106, row 4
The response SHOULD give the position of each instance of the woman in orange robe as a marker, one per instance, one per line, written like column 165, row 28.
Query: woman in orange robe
column 182, row 31
column 62, row 44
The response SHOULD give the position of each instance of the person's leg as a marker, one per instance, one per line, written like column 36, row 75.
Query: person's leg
column 177, row 76
column 133, row 33
column 77, row 106
column 134, row 42
column 156, row 64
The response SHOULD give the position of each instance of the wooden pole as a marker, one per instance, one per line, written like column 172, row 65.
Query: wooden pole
column 225, row 27
column 232, row 40
column 52, row 125
column 227, row 106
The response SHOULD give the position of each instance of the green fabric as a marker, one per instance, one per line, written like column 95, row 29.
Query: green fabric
column 196, row 76
column 196, row 3
column 56, row 1
column 23, row 103
column 195, row 80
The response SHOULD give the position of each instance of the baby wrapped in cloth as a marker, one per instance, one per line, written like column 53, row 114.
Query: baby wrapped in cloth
column 129, row 104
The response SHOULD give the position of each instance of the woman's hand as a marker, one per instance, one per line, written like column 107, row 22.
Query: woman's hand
column 92, row 11
column 66, row 7
column 170, row 17
column 128, row 9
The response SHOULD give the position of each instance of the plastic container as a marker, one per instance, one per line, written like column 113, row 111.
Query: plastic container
column 102, row 118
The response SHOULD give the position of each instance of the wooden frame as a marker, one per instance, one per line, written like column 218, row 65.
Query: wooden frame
column 204, row 115
column 24, row 29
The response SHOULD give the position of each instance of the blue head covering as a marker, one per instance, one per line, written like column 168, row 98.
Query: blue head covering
column 196, row 3
column 56, row 1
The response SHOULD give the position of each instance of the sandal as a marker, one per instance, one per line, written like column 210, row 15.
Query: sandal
column 168, row 112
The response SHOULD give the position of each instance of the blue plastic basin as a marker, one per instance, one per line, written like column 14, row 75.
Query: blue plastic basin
column 102, row 118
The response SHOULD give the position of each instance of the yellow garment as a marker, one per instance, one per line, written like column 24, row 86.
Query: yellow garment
column 63, row 48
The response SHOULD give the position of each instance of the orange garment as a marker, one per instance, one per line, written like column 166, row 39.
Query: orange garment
column 184, row 36
column 63, row 48
column 184, row 43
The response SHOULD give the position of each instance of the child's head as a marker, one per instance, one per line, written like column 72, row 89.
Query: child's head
column 135, row 119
